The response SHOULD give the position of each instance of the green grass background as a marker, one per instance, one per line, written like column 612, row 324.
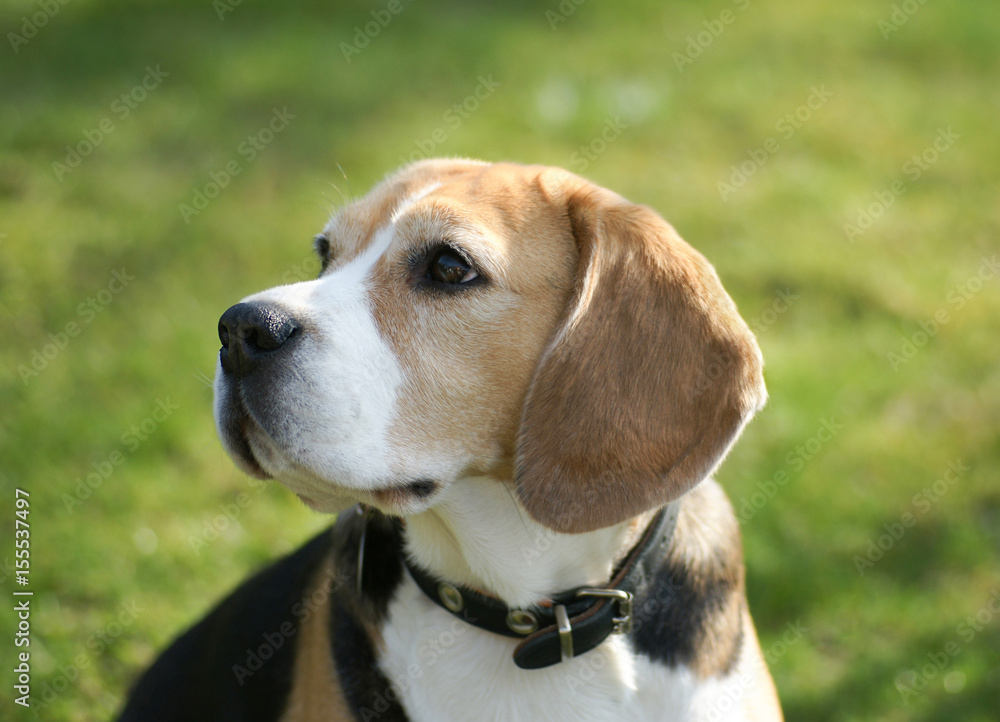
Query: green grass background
column 116, row 576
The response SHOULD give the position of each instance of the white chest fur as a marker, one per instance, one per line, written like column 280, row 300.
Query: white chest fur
column 444, row 670
column 454, row 671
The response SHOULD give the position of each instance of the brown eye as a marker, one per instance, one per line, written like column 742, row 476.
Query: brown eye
column 449, row 267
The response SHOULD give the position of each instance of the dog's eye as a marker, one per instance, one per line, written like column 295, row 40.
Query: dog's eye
column 322, row 247
column 448, row 266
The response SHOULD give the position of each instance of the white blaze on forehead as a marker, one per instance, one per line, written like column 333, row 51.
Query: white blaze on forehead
column 361, row 266
column 413, row 198
column 347, row 281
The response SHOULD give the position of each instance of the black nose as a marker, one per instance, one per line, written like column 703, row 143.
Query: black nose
column 252, row 332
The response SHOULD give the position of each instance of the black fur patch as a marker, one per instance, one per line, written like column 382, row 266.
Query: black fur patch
column 383, row 570
column 689, row 611
column 678, row 620
column 367, row 691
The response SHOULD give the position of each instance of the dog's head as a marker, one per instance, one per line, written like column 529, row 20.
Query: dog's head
column 491, row 319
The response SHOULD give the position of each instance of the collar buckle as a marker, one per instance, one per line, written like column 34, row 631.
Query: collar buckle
column 623, row 622
column 565, row 633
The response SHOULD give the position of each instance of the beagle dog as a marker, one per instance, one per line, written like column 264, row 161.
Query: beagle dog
column 512, row 386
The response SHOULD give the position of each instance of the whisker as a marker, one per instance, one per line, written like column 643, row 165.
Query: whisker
column 201, row 376
column 348, row 180
column 517, row 508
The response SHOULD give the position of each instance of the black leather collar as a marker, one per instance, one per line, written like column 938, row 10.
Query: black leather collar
column 572, row 622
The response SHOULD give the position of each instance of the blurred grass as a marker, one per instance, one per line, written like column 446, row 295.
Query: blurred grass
column 125, row 554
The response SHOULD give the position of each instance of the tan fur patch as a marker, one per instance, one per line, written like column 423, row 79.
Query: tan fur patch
column 316, row 694
column 761, row 702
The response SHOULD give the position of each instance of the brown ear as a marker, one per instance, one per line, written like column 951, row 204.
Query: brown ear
column 647, row 382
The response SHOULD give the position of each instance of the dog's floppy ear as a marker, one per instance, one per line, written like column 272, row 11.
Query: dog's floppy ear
column 646, row 383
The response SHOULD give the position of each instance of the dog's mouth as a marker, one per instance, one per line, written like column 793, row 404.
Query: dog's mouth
column 406, row 494
column 247, row 456
column 396, row 500
column 237, row 429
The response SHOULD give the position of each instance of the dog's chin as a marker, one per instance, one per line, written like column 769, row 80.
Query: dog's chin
column 406, row 499
column 327, row 504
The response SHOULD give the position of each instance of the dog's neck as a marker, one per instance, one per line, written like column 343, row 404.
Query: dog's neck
column 480, row 537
